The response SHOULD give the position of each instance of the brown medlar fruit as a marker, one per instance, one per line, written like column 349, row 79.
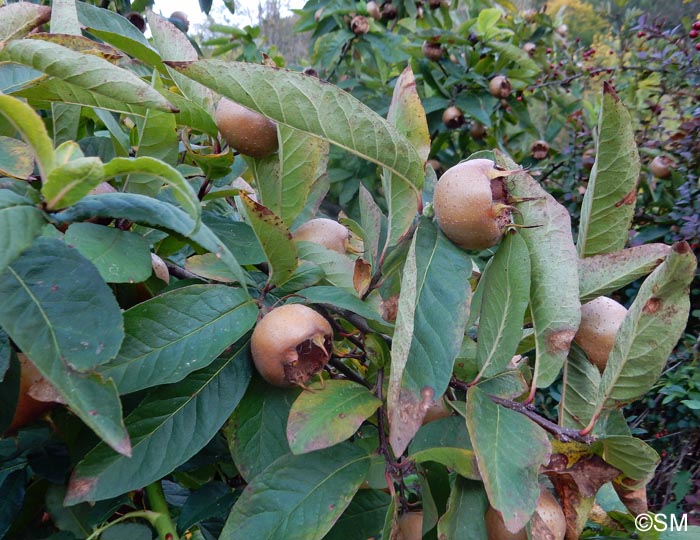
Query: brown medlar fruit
column 359, row 25
column 247, row 131
column 471, row 204
column 588, row 159
column 453, row 117
column 389, row 11
column 291, row 344
column 432, row 50
column 662, row 166
column 410, row 526
column 529, row 48
column 28, row 409
column 500, row 86
column 600, row 320
column 539, row 149
column 373, row 10
column 549, row 513
column 477, row 130
column 324, row 231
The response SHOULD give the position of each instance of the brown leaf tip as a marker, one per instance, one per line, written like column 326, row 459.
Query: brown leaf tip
column 78, row 490
column 681, row 247
column 609, row 89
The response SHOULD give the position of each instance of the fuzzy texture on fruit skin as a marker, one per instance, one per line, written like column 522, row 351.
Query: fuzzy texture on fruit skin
column 324, row 231
column 410, row 526
column 600, row 320
column 247, row 131
column 549, row 512
column 465, row 207
column 291, row 344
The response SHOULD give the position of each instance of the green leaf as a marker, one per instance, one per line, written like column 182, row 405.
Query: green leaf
column 86, row 71
column 313, row 107
column 500, row 436
column 69, row 182
column 168, row 175
column 487, row 20
column 517, row 56
column 338, row 269
column 653, row 324
column 633, row 457
column 285, row 179
column 168, row 427
column 119, row 256
column 580, row 390
column 256, row 433
column 274, row 237
column 608, row 205
column 209, row 266
column 338, row 298
column 50, row 297
column 239, row 237
column 20, row 222
column 506, row 294
column 192, row 114
column 17, row 19
column 298, row 497
column 363, row 518
column 152, row 212
column 330, row 413
column 601, row 275
column 66, row 122
column 176, row 333
column 372, row 221
column 407, row 114
column 432, row 316
column 16, row 158
column 212, row 500
column 31, row 128
column 554, row 302
column 465, row 510
column 64, row 18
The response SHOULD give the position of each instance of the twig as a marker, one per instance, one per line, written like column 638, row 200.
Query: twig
column 349, row 373
column 180, row 273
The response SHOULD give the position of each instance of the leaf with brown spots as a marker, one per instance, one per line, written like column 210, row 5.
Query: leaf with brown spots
column 653, row 325
column 19, row 18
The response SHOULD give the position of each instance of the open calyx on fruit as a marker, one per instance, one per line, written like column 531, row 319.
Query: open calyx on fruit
column 325, row 232
column 600, row 320
column 471, row 204
column 247, row 131
column 410, row 526
column 548, row 515
column 291, row 344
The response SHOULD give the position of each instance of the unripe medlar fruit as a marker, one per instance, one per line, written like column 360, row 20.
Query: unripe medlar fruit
column 373, row 10
column 389, row 11
column 548, row 511
column 247, row 131
column 477, row 130
column 662, row 166
column 600, row 320
column 291, row 344
column 410, row 526
column 432, row 51
column 28, row 409
column 500, row 86
column 326, row 232
column 539, row 149
column 359, row 25
column 453, row 117
column 471, row 204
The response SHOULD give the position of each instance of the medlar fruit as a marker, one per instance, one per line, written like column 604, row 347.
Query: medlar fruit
column 247, row 131
column 432, row 50
column 471, row 204
column 373, row 10
column 600, row 320
column 539, row 149
column 477, row 130
column 548, row 513
column 529, row 48
column 28, row 409
column 291, row 344
column 389, row 11
column 359, row 25
column 453, row 117
column 410, row 526
column 662, row 166
column 500, row 86
column 324, row 231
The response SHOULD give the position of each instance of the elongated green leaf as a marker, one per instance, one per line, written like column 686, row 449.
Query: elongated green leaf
column 340, row 299
column 308, row 105
column 192, row 114
column 505, row 297
column 167, row 428
column 445, row 441
column 179, row 332
column 608, row 205
column 328, row 415
column 152, row 212
column 633, row 457
column 432, row 316
column 119, row 256
column 212, row 500
column 28, row 124
column 372, row 221
column 580, row 390
column 298, row 497
column 338, row 269
column 64, row 18
column 465, row 510
column 168, row 175
column 16, row 158
column 274, row 237
column 525, row 65
column 600, row 275
column 554, row 302
column 499, row 436
column 50, row 296
column 69, row 182
column 285, row 179
column 17, row 19
column 20, row 222
column 116, row 30
column 84, row 70
column 363, row 518
column 652, row 326
column 238, row 236
column 257, row 432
